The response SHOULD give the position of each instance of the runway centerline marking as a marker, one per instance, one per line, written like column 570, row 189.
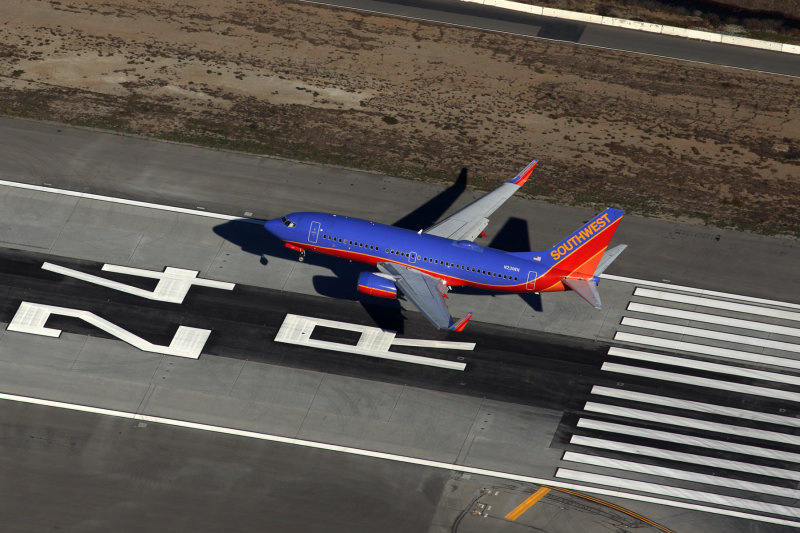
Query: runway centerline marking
column 397, row 458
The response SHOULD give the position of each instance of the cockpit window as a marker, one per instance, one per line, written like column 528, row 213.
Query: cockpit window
column 288, row 223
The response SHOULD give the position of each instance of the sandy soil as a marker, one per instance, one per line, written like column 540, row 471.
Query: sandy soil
column 654, row 136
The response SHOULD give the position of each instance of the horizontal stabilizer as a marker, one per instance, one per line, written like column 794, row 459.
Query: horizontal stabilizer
column 586, row 289
column 608, row 258
column 459, row 325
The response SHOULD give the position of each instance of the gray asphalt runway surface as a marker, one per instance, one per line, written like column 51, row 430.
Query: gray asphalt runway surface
column 530, row 384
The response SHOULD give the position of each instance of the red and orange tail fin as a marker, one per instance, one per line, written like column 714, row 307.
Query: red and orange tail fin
column 524, row 174
column 579, row 254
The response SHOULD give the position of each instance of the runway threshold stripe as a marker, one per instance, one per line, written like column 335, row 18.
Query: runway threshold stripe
column 702, row 382
column 727, row 464
column 713, row 319
column 683, row 475
column 691, row 405
column 704, row 349
column 710, row 334
column 689, row 440
column 677, row 492
column 529, row 502
column 719, row 304
column 686, row 422
column 397, row 458
column 704, row 365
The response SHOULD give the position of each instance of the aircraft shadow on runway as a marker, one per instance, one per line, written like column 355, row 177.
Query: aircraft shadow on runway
column 387, row 314
column 512, row 237
column 254, row 239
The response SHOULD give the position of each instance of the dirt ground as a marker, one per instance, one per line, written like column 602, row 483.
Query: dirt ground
column 654, row 136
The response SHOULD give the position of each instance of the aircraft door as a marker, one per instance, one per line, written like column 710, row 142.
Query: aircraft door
column 531, row 285
column 412, row 257
column 313, row 232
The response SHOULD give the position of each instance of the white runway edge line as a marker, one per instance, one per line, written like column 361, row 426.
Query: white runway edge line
column 123, row 201
column 147, row 205
column 392, row 457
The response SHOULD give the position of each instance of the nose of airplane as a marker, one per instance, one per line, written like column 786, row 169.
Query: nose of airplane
column 274, row 226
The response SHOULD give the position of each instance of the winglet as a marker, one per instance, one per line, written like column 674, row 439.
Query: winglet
column 523, row 176
column 459, row 326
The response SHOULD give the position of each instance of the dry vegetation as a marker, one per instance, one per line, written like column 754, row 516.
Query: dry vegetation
column 655, row 136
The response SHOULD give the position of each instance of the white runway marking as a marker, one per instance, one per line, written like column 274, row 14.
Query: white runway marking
column 677, row 492
column 700, row 407
column 405, row 459
column 31, row 318
column 718, row 304
column 704, row 365
column 373, row 342
column 112, row 199
column 702, row 382
column 684, row 475
column 638, row 449
column 704, row 349
column 713, row 319
column 173, row 283
column 689, row 440
column 695, row 423
column 710, row 334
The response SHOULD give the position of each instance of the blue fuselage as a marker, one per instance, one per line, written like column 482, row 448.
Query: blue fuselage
column 459, row 263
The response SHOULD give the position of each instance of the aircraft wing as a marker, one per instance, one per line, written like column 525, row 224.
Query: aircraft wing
column 427, row 293
column 470, row 221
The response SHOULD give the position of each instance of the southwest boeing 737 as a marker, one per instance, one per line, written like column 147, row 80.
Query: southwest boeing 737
column 424, row 265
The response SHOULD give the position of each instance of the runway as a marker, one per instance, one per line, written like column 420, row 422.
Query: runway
column 552, row 390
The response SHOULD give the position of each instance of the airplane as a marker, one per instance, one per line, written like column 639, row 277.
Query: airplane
column 424, row 265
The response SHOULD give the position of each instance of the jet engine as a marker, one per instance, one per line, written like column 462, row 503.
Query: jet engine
column 376, row 285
